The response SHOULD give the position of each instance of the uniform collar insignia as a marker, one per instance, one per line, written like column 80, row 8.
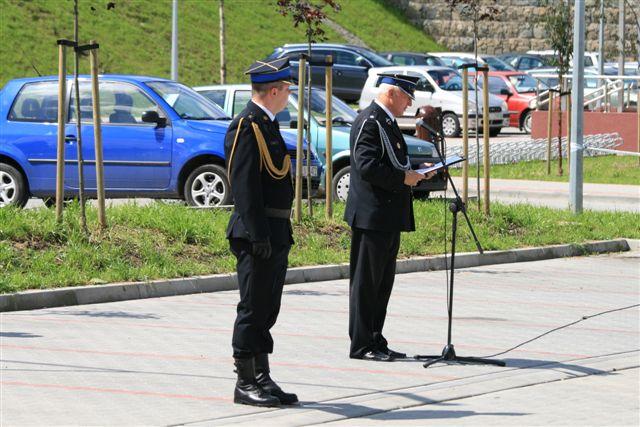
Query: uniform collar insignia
column 388, row 121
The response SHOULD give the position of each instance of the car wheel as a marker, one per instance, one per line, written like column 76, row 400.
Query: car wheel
column 13, row 187
column 494, row 131
column 450, row 125
column 340, row 184
column 207, row 186
column 526, row 122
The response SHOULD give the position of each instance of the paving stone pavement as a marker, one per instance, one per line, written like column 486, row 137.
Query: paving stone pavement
column 166, row 361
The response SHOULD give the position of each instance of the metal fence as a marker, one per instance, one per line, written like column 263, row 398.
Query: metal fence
column 536, row 149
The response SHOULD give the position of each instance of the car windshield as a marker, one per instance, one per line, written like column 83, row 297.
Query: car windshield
column 497, row 64
column 376, row 60
column 523, row 83
column 186, row 102
column 341, row 113
column 448, row 80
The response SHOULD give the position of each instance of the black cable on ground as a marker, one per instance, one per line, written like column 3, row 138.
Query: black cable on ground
column 561, row 327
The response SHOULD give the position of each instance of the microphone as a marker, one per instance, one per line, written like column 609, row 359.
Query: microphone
column 423, row 125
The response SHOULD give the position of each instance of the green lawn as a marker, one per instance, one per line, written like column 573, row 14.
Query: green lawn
column 601, row 169
column 170, row 240
column 135, row 37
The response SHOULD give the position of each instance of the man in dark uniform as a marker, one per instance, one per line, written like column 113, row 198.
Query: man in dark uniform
column 379, row 207
column 259, row 230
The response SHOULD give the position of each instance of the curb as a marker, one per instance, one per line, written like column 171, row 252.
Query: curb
column 80, row 295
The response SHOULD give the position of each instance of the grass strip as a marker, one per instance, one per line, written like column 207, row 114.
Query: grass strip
column 168, row 240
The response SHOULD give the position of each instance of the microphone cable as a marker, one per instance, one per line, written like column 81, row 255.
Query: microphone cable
column 583, row 318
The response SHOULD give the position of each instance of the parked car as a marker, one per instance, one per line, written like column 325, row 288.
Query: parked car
column 350, row 65
column 231, row 97
column 412, row 58
column 524, row 62
column 591, row 59
column 496, row 64
column 161, row 139
column 456, row 59
column 439, row 87
column 518, row 90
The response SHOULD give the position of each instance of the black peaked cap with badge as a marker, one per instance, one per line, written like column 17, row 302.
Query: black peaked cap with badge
column 257, row 186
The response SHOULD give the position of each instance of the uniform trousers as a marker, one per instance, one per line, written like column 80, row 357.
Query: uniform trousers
column 372, row 272
column 260, row 282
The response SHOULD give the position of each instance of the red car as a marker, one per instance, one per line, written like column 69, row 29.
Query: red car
column 517, row 89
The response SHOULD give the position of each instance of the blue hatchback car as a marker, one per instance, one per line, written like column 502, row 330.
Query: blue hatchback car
column 161, row 139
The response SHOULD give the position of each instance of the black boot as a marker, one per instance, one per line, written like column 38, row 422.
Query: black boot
column 247, row 391
column 268, row 385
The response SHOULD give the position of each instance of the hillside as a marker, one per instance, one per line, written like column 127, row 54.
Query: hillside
column 135, row 36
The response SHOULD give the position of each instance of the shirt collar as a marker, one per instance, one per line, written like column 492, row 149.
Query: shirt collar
column 265, row 109
column 385, row 109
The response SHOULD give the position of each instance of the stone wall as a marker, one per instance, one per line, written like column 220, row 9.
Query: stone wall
column 518, row 26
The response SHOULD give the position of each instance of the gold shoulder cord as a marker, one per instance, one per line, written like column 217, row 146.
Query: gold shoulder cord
column 265, row 157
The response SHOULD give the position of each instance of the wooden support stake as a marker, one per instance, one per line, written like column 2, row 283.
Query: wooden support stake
column 328, row 172
column 465, row 134
column 62, row 120
column 97, row 135
column 298, row 202
column 485, row 128
column 549, row 127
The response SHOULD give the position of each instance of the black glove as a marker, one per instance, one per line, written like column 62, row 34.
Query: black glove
column 262, row 249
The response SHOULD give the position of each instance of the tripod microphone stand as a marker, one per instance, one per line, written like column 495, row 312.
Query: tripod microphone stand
column 449, row 353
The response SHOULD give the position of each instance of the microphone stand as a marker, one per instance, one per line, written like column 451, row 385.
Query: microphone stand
column 448, row 353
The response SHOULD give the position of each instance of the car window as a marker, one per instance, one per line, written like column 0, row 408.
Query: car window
column 448, row 79
column 347, row 58
column 120, row 103
column 240, row 100
column 423, row 84
column 496, row 84
column 403, row 60
column 218, row 96
column 36, row 102
column 523, row 83
column 434, row 60
column 186, row 102
column 588, row 62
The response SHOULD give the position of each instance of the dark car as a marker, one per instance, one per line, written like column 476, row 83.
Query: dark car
column 524, row 61
column 412, row 58
column 350, row 70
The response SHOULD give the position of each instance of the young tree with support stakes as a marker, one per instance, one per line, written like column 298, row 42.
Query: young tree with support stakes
column 558, row 24
column 311, row 14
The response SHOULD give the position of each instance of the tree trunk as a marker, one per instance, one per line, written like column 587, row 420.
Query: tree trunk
column 223, row 62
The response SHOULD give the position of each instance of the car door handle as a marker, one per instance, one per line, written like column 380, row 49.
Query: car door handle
column 70, row 138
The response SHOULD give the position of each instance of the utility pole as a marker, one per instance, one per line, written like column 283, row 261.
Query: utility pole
column 621, row 53
column 174, row 41
column 577, row 99
column 601, row 47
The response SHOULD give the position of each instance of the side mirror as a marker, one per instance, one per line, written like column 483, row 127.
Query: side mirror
column 363, row 62
column 152, row 116
column 505, row 91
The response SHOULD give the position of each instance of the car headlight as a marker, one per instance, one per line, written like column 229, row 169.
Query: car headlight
column 532, row 103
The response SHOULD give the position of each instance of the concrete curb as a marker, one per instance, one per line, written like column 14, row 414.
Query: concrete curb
column 95, row 294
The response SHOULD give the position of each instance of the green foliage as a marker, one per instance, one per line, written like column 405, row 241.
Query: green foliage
column 169, row 240
column 558, row 24
column 601, row 169
column 135, row 36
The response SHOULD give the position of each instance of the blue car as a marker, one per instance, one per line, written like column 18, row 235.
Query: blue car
column 161, row 139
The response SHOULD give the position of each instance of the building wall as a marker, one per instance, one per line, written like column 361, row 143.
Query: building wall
column 518, row 26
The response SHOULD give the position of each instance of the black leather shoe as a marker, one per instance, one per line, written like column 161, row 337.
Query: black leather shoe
column 393, row 354
column 375, row 355
column 247, row 391
column 266, row 383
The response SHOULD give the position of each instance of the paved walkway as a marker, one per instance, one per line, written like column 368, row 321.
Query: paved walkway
column 166, row 361
column 600, row 197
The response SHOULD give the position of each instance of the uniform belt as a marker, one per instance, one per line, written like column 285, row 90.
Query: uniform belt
column 278, row 213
